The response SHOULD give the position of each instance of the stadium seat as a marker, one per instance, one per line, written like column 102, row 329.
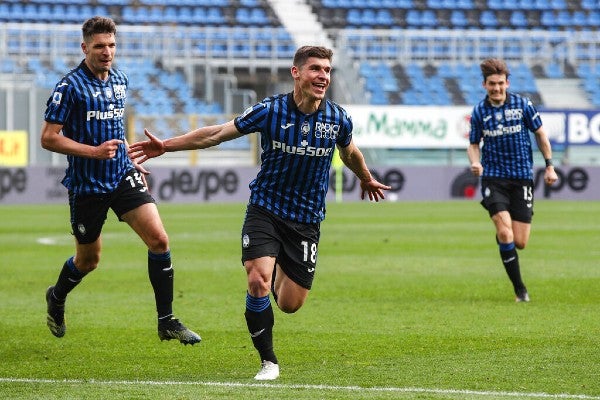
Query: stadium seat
column 458, row 19
column 590, row 5
column 488, row 19
column 518, row 20
column 8, row 66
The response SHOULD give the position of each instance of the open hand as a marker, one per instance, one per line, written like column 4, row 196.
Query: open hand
column 143, row 151
column 374, row 189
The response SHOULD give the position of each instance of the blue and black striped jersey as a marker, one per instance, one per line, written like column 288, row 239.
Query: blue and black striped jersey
column 297, row 150
column 505, row 131
column 91, row 112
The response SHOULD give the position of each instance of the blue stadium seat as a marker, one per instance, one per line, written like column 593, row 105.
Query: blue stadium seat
column 518, row 19
column 488, row 19
column 428, row 19
column 8, row 66
column 368, row 17
column 259, row 17
column 563, row 18
column 590, row 5
column 458, row 19
column 413, row 19
column 548, row 19
column 464, row 4
column 593, row 18
column 384, row 17
column 214, row 16
column 4, row 12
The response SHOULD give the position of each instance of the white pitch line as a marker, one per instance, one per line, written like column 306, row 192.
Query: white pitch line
column 333, row 388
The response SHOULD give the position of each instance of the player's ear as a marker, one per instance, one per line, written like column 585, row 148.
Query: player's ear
column 84, row 48
column 295, row 72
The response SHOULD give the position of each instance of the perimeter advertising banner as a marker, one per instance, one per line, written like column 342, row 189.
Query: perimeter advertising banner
column 448, row 127
column 575, row 128
column 39, row 185
column 13, row 148
column 410, row 127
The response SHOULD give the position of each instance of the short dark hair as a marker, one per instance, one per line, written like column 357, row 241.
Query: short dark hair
column 493, row 66
column 305, row 52
column 96, row 25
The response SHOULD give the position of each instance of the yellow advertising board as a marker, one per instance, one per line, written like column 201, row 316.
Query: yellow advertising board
column 13, row 148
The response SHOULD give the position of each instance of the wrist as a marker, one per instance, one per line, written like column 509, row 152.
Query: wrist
column 549, row 162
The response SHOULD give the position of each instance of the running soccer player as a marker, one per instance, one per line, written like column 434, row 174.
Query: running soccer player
column 280, row 236
column 503, row 121
column 84, row 120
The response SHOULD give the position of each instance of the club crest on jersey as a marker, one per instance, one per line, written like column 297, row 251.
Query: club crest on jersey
column 119, row 91
column 305, row 128
column 108, row 93
column 56, row 98
column 498, row 116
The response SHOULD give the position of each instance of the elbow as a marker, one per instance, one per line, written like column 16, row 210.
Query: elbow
column 45, row 143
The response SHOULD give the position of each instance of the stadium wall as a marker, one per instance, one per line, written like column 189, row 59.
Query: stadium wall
column 41, row 185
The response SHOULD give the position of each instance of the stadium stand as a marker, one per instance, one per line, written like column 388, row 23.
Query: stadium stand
column 552, row 36
column 411, row 52
column 234, row 31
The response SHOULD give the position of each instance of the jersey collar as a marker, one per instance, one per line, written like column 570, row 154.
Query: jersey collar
column 291, row 101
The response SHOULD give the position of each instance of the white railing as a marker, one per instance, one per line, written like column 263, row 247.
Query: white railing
column 248, row 47
column 468, row 46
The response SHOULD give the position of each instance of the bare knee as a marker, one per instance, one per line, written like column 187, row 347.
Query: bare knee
column 505, row 235
column 257, row 285
column 87, row 264
column 158, row 244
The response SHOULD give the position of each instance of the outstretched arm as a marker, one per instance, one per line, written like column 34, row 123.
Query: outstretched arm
column 354, row 159
column 200, row 138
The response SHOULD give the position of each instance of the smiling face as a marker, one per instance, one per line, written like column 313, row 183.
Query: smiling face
column 496, row 85
column 99, row 53
column 311, row 81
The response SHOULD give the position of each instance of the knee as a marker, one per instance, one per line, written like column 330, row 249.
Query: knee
column 88, row 263
column 159, row 244
column 505, row 235
column 257, row 285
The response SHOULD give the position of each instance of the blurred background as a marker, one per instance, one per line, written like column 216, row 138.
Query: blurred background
column 197, row 62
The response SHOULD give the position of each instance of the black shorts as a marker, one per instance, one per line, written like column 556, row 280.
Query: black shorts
column 294, row 244
column 89, row 211
column 512, row 195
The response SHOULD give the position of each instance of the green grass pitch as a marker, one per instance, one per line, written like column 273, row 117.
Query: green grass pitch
column 410, row 301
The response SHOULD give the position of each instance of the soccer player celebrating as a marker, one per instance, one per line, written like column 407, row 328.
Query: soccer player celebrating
column 280, row 236
column 503, row 121
column 87, row 107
